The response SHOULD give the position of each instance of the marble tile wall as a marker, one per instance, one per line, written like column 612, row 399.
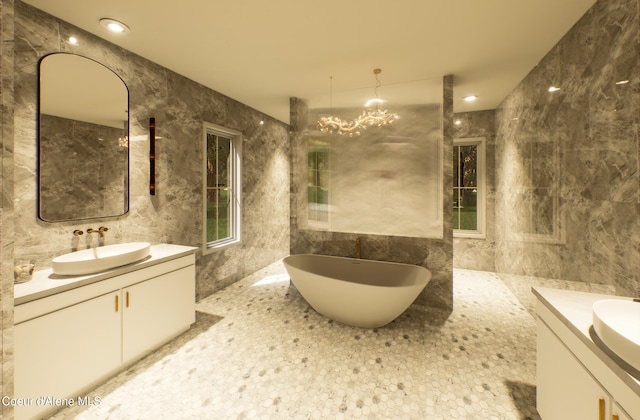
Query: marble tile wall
column 472, row 253
column 174, row 215
column 6, row 213
column 567, row 161
column 435, row 254
column 179, row 107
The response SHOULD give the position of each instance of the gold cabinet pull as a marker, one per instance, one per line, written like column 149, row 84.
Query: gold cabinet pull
column 127, row 300
column 601, row 409
column 117, row 303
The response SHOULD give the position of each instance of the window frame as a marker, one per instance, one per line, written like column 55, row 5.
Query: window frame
column 235, row 201
column 481, row 144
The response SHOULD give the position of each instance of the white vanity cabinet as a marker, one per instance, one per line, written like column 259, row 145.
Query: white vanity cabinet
column 565, row 389
column 57, row 354
column 617, row 413
column 68, row 342
column 155, row 309
column 575, row 378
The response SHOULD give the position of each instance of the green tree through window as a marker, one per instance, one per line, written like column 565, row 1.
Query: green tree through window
column 219, row 191
column 468, row 186
column 222, row 186
column 318, row 185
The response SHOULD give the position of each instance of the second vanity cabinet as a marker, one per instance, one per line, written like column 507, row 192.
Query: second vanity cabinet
column 68, row 342
column 575, row 378
column 566, row 389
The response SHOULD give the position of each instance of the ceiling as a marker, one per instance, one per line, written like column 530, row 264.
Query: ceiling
column 261, row 53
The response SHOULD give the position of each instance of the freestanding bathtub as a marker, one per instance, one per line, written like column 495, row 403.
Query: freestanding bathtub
column 362, row 293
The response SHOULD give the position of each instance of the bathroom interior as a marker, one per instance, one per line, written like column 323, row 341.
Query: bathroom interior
column 559, row 212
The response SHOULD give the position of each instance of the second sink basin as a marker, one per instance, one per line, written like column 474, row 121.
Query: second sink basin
column 95, row 260
column 617, row 324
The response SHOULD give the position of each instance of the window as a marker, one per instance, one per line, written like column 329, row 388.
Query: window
column 318, row 184
column 469, row 188
column 221, row 187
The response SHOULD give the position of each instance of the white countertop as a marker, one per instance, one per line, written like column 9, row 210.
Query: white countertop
column 45, row 283
column 574, row 309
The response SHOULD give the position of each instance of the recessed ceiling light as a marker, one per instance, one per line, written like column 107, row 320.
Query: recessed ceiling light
column 553, row 89
column 114, row 26
column 470, row 98
column 73, row 40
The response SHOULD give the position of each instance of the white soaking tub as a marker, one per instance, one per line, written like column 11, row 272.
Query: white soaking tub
column 357, row 292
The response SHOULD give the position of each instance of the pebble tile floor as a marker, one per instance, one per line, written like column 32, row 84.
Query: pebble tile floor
column 259, row 351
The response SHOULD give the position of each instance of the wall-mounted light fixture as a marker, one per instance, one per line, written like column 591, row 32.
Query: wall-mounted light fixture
column 152, row 156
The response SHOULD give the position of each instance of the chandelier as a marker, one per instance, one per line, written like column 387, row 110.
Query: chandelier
column 375, row 117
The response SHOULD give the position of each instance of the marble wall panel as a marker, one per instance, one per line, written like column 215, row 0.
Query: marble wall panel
column 174, row 214
column 385, row 181
column 436, row 254
column 583, row 140
column 472, row 253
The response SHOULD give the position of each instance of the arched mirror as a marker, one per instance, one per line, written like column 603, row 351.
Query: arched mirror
column 83, row 140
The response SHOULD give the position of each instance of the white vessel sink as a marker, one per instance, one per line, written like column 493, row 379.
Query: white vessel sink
column 95, row 260
column 617, row 323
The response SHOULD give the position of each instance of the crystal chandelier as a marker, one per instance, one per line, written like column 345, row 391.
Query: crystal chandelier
column 369, row 118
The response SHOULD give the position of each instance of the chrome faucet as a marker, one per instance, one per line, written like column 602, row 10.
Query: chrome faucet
column 358, row 248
